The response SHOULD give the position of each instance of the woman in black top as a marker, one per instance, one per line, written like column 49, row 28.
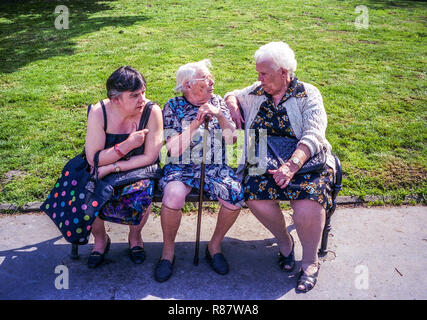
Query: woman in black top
column 114, row 126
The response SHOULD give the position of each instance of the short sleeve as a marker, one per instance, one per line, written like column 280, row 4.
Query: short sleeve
column 171, row 122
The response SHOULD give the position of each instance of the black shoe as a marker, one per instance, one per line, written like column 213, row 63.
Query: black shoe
column 287, row 264
column 96, row 258
column 218, row 262
column 137, row 254
column 307, row 281
column 164, row 269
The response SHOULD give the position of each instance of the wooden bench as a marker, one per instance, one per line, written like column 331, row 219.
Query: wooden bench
column 194, row 197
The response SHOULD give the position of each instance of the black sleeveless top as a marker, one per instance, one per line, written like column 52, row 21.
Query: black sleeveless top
column 112, row 139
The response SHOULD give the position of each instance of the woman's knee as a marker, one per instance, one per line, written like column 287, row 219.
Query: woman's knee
column 228, row 205
column 174, row 195
column 307, row 210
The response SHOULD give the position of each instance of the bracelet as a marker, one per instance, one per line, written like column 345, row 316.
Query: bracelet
column 116, row 148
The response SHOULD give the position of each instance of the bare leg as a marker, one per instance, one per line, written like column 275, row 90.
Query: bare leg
column 268, row 212
column 173, row 200
column 309, row 219
column 99, row 235
column 135, row 238
column 227, row 215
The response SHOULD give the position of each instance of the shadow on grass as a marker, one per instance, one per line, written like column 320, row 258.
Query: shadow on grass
column 28, row 33
column 389, row 4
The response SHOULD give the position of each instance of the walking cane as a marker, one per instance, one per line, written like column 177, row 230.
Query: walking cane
column 202, row 183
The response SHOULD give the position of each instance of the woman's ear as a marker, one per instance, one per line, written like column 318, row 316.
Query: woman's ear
column 115, row 99
column 284, row 73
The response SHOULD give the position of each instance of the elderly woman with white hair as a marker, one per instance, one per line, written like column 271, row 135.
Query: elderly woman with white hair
column 183, row 122
column 286, row 107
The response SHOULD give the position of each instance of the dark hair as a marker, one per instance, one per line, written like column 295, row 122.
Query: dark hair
column 124, row 79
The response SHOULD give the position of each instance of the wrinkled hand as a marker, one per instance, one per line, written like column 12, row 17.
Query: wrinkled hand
column 207, row 110
column 236, row 116
column 137, row 137
column 283, row 175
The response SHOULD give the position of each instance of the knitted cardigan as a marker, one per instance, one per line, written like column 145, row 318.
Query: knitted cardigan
column 306, row 114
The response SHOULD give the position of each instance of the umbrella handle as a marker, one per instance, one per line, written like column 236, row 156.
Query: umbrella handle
column 202, row 183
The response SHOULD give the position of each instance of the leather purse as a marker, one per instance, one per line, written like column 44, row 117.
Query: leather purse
column 280, row 149
column 120, row 179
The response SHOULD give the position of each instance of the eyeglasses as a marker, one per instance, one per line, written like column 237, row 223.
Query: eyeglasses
column 208, row 78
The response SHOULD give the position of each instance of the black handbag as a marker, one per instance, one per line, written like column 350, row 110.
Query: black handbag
column 120, row 179
column 152, row 171
column 76, row 199
column 280, row 149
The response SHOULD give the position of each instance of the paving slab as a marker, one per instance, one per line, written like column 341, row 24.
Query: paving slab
column 375, row 253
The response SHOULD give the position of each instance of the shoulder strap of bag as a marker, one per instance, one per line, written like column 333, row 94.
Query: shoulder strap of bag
column 83, row 153
column 145, row 115
column 95, row 163
column 105, row 115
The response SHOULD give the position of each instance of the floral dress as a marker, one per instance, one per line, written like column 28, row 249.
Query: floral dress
column 312, row 186
column 220, row 180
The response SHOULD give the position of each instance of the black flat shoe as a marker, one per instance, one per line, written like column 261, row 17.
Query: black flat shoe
column 164, row 270
column 137, row 254
column 307, row 281
column 96, row 258
column 218, row 262
column 287, row 264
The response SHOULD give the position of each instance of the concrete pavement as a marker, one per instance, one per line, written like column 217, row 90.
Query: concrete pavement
column 375, row 253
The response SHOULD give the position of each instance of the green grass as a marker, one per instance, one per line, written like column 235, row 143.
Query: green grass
column 372, row 80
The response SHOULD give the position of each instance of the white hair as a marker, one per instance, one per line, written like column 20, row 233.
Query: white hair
column 187, row 72
column 280, row 55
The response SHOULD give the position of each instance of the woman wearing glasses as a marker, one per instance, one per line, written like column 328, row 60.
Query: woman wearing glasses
column 183, row 122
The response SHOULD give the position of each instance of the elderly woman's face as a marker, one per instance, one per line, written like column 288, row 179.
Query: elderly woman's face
column 202, row 86
column 273, row 81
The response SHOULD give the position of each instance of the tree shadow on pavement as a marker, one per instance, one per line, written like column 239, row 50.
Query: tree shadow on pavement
column 29, row 273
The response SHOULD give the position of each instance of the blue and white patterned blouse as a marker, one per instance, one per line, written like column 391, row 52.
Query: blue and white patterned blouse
column 220, row 180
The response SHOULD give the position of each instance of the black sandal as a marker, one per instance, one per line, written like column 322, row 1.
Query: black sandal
column 307, row 281
column 288, row 261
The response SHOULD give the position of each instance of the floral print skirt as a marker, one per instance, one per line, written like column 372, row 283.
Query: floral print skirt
column 129, row 203
column 311, row 186
column 220, row 181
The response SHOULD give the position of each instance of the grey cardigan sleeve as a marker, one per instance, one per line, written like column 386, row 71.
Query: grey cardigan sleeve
column 246, row 101
column 314, row 120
